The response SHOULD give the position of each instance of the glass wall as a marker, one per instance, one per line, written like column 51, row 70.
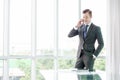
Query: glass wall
column 45, row 69
column 68, row 17
column 53, row 55
column 45, row 27
column 20, row 27
column 20, row 69
column 1, row 70
column 1, row 27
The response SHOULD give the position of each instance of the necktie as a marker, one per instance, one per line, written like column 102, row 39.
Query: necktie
column 85, row 32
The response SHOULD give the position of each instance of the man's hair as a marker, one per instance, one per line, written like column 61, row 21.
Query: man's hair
column 87, row 11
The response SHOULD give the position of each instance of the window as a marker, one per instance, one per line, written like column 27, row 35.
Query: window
column 1, row 70
column 53, row 55
column 45, row 69
column 68, row 16
column 1, row 27
column 45, row 27
column 20, row 27
column 20, row 69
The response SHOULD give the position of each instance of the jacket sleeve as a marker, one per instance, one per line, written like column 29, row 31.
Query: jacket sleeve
column 73, row 33
column 100, row 41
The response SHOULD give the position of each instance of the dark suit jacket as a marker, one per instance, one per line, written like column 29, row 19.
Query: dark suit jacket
column 88, row 45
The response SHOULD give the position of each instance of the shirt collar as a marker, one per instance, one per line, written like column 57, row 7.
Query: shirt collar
column 88, row 25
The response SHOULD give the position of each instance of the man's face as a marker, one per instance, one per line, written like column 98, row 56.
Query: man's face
column 86, row 18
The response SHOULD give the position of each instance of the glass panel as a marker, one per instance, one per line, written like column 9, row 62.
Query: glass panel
column 65, row 68
column 99, row 67
column 20, row 69
column 20, row 27
column 68, row 17
column 100, row 64
column 1, row 70
column 66, row 63
column 45, row 69
column 1, row 27
column 45, row 27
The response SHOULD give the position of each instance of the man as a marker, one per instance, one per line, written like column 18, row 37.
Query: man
column 88, row 34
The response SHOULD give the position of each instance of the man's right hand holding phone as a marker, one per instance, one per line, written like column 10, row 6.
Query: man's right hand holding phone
column 80, row 23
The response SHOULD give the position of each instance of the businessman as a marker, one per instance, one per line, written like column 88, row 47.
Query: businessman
column 88, row 34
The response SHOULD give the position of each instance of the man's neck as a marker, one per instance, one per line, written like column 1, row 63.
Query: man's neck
column 88, row 23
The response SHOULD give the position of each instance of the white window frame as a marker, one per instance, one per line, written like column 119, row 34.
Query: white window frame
column 33, row 57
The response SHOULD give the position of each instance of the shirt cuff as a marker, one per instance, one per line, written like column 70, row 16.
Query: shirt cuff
column 75, row 28
column 94, row 56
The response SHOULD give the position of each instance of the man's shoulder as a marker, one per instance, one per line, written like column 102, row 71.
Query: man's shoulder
column 95, row 26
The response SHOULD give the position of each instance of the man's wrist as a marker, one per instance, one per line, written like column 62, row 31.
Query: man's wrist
column 75, row 27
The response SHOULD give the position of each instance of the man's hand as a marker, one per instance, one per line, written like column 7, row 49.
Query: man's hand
column 94, row 57
column 80, row 23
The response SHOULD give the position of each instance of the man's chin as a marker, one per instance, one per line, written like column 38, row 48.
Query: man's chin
column 86, row 22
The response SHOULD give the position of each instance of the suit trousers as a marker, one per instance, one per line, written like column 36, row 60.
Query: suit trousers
column 85, row 62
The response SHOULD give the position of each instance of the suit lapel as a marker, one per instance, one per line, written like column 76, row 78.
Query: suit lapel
column 91, row 26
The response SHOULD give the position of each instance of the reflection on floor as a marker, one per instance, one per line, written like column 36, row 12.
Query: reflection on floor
column 68, row 74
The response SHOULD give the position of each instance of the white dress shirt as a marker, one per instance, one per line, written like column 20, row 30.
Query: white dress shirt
column 85, row 25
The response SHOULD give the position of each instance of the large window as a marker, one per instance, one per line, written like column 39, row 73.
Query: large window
column 1, row 70
column 20, row 27
column 20, row 69
column 68, row 16
column 45, row 27
column 1, row 27
column 38, row 47
column 45, row 69
column 1, row 38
